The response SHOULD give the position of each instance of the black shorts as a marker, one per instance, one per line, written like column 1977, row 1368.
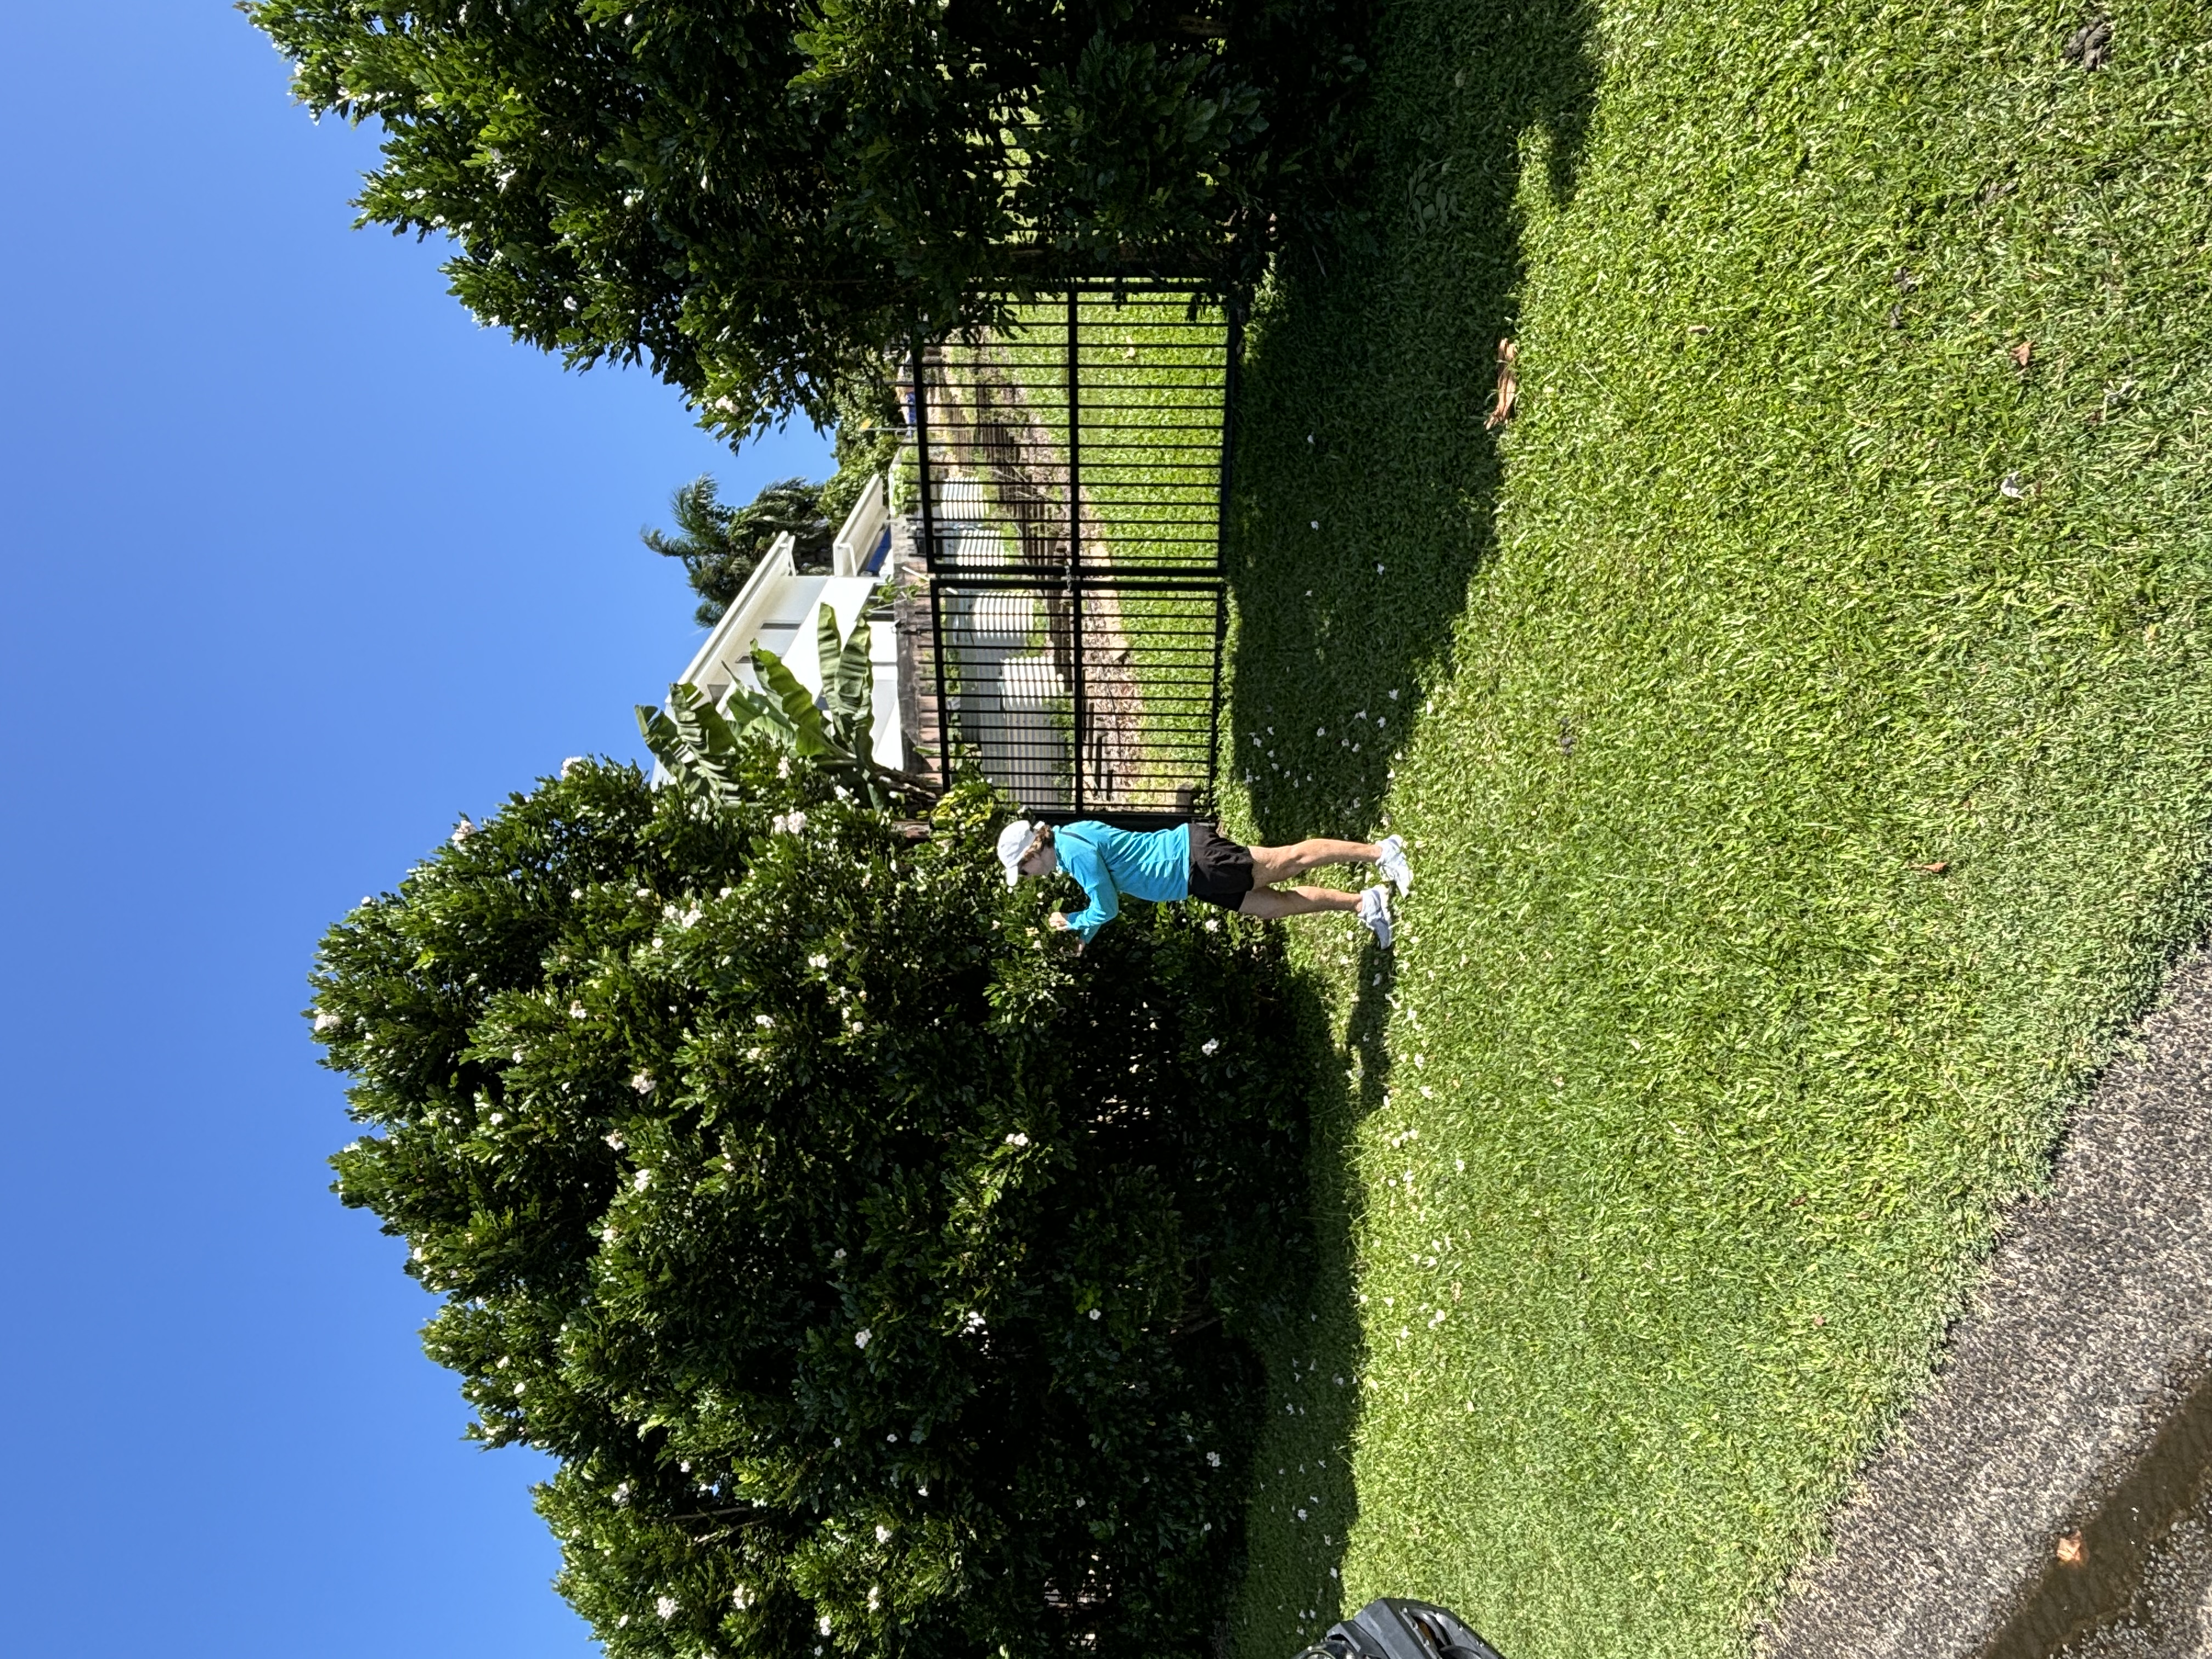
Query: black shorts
column 1220, row 869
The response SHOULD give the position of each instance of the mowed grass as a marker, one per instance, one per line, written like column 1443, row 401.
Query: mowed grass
column 1803, row 725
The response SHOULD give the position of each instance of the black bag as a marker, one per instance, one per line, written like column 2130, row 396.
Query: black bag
column 1392, row 1628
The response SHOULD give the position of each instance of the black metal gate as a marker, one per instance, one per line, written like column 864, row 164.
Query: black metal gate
column 1071, row 468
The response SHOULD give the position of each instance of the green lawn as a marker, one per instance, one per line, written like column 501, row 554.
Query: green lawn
column 1650, row 1167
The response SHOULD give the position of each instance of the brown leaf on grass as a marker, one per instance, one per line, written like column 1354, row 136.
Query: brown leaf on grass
column 2021, row 353
column 1509, row 389
column 2070, row 1549
column 1938, row 868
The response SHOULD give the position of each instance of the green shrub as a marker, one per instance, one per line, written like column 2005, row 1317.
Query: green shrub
column 878, row 1271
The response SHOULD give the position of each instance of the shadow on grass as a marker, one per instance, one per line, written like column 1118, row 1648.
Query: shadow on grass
column 1366, row 487
column 1365, row 478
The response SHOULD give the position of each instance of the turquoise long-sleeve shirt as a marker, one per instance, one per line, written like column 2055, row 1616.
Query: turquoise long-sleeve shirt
column 1107, row 863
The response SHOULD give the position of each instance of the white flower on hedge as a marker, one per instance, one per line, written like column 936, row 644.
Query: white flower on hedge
column 327, row 1022
column 1094, row 1313
column 817, row 961
column 642, row 1083
column 824, row 1626
column 615, row 1139
column 690, row 917
column 975, row 1321
column 569, row 766
column 766, row 1022
column 1213, row 1458
column 1017, row 1140
column 666, row 1607
column 862, row 1337
column 787, row 824
column 576, row 1011
column 883, row 1533
column 875, row 1592
column 621, row 1493
column 518, row 1056
column 741, row 1597
column 1211, row 1045
column 641, row 1180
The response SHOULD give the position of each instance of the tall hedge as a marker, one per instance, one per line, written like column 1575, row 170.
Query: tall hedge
column 879, row 1273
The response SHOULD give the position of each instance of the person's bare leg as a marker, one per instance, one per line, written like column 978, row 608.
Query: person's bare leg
column 1273, row 864
column 1272, row 903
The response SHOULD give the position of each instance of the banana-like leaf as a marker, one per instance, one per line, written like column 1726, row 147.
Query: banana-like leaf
column 811, row 735
column 665, row 740
column 847, row 675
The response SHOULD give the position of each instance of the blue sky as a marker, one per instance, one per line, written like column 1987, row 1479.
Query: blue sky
column 298, row 563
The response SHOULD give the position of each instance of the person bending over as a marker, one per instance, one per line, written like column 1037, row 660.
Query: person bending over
column 1193, row 860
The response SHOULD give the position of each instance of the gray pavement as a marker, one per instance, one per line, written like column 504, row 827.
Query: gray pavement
column 2077, row 1397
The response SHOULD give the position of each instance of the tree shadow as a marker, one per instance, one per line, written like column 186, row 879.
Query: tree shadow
column 1303, row 1502
column 1366, row 486
column 1365, row 480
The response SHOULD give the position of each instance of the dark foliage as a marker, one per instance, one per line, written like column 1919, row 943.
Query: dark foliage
column 880, row 1273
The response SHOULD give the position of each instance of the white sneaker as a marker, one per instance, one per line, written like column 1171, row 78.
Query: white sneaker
column 1393, row 863
column 1375, row 914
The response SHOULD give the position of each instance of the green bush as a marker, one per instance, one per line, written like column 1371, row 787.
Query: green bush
column 880, row 1273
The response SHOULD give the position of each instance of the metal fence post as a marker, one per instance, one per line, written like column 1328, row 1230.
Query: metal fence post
column 1075, row 532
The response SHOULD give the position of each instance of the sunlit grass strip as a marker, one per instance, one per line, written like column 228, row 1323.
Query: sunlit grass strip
column 1808, row 766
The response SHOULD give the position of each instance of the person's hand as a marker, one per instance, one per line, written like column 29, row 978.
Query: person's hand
column 1057, row 921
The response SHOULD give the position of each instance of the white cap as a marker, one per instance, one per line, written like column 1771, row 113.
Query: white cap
column 1014, row 841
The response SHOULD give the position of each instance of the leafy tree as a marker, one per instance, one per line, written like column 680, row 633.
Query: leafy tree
column 877, row 1273
column 764, row 199
column 720, row 546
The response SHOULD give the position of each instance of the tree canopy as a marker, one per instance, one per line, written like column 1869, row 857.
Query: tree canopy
column 762, row 200
column 880, row 1276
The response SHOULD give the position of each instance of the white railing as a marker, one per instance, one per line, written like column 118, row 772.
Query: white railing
column 856, row 542
column 734, row 632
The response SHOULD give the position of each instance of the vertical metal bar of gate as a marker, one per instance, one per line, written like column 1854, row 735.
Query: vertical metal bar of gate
column 1234, row 344
column 929, row 562
column 1075, row 534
